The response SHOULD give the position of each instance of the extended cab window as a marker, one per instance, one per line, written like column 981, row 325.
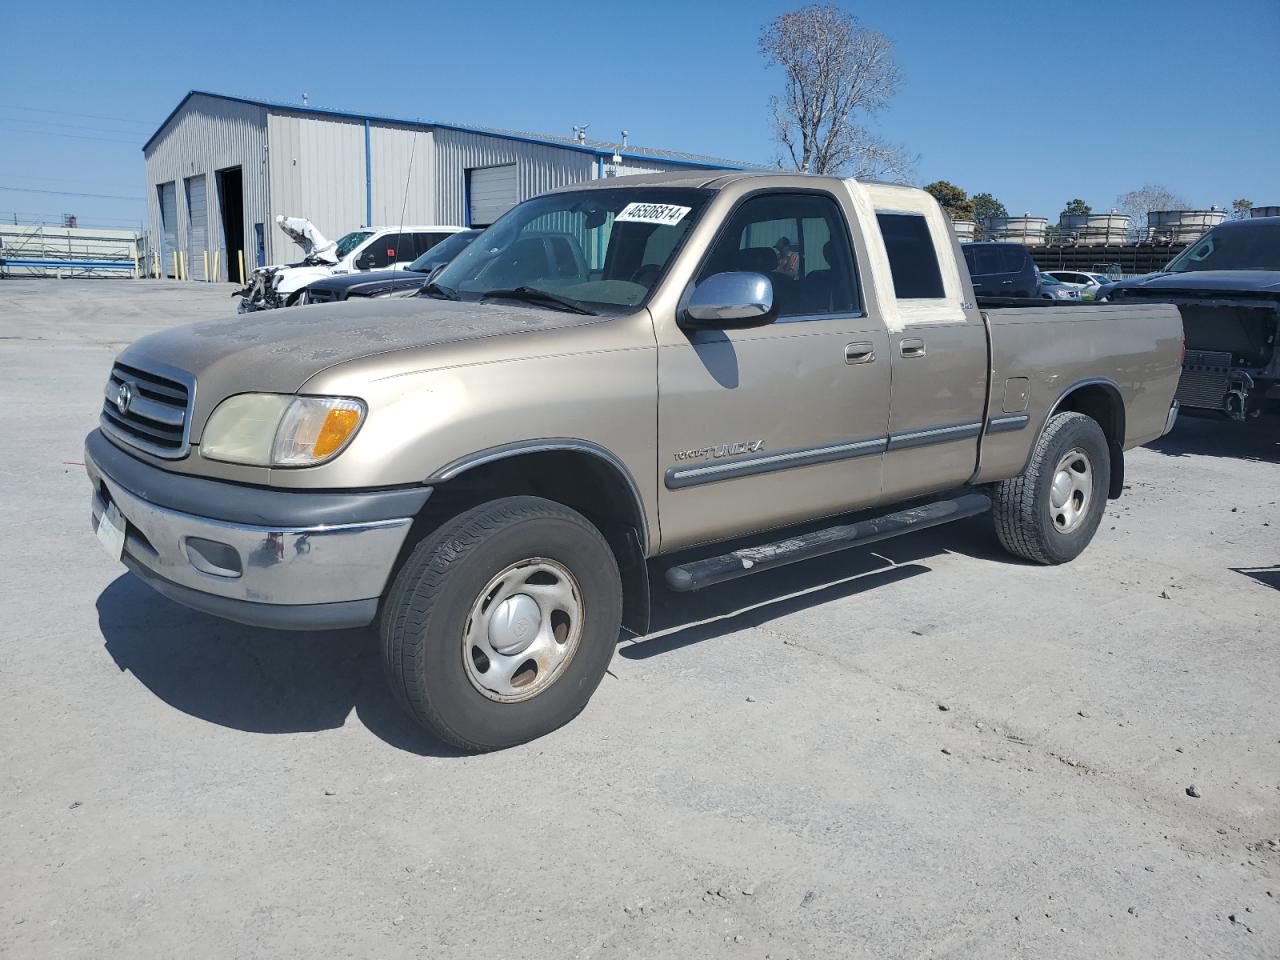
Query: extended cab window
column 912, row 258
column 800, row 243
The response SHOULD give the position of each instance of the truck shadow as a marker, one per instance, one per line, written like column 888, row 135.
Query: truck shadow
column 277, row 681
column 1213, row 437
column 251, row 679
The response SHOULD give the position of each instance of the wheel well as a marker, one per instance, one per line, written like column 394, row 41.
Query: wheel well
column 1103, row 403
column 581, row 481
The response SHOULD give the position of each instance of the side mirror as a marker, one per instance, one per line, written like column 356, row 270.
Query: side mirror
column 731, row 301
column 365, row 261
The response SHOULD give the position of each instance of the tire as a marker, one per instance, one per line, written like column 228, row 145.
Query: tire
column 450, row 655
column 1049, row 524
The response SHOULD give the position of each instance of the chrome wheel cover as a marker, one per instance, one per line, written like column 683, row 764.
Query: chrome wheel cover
column 523, row 630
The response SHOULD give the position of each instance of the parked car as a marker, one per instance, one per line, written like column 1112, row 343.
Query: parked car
column 1052, row 288
column 384, row 283
column 494, row 468
column 1000, row 269
column 370, row 248
column 1087, row 284
column 1227, row 286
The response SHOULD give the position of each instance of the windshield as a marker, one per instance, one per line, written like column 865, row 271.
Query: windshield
column 1049, row 280
column 351, row 241
column 605, row 249
column 1254, row 246
column 444, row 251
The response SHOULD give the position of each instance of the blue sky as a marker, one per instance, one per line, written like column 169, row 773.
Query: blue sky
column 1035, row 102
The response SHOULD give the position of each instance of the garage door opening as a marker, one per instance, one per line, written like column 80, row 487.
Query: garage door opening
column 491, row 192
column 231, row 207
column 168, row 228
column 198, row 228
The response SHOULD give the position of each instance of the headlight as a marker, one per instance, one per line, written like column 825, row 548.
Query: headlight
column 276, row 430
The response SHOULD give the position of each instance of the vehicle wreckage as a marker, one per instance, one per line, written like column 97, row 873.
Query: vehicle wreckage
column 1227, row 287
column 281, row 285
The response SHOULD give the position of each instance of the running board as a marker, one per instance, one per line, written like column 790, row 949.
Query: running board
column 740, row 563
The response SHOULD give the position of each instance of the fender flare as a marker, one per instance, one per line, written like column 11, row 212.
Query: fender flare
column 505, row 451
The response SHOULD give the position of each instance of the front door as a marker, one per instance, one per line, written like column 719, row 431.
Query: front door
column 777, row 424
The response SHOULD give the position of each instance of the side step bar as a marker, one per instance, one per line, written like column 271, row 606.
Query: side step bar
column 740, row 563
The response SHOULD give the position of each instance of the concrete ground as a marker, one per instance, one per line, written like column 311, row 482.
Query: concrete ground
column 921, row 749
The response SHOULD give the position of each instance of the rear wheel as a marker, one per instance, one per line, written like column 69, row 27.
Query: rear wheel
column 1050, row 511
column 502, row 622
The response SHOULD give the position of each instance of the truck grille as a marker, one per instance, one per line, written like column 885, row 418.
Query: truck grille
column 1206, row 378
column 147, row 410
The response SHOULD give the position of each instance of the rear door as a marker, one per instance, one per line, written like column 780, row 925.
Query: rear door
column 937, row 346
column 785, row 422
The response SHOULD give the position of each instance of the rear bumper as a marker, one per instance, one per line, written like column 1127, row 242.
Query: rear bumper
column 1172, row 418
column 273, row 558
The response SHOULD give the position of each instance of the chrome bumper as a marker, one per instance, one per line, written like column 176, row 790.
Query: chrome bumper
column 1172, row 418
column 309, row 577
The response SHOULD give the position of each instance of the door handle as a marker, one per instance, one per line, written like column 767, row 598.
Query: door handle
column 859, row 353
column 1006, row 283
column 911, row 348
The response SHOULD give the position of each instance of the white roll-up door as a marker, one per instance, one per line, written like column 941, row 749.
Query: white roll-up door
column 493, row 193
column 168, row 226
column 198, row 235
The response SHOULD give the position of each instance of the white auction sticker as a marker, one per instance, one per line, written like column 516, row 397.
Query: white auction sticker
column 664, row 213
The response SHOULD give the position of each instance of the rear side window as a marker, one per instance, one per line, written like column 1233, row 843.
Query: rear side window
column 1013, row 257
column 912, row 258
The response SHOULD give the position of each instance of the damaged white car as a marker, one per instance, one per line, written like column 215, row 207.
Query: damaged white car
column 369, row 248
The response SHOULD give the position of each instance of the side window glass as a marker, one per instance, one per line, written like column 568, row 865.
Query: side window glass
column 1014, row 257
column 800, row 243
column 425, row 241
column 913, row 261
column 383, row 250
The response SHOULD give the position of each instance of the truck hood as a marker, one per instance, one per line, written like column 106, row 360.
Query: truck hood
column 1216, row 281
column 371, row 280
column 277, row 351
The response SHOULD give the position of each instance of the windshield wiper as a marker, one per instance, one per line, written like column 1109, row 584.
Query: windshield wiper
column 534, row 295
column 440, row 292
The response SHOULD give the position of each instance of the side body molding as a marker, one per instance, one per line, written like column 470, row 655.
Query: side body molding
column 505, row 451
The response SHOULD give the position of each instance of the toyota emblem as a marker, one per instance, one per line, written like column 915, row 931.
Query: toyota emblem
column 124, row 397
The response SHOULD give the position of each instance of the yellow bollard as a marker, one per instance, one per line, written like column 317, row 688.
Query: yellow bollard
column 177, row 272
column 135, row 264
column 217, row 275
column 240, row 254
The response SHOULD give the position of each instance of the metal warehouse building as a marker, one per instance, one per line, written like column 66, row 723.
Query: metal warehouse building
column 220, row 168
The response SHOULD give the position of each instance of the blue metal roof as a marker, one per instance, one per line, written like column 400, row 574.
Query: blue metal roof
column 596, row 148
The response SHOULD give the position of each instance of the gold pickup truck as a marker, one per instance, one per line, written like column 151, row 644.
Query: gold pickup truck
column 499, row 469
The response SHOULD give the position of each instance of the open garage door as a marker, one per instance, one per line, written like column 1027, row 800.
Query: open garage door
column 492, row 191
column 198, row 235
column 168, row 227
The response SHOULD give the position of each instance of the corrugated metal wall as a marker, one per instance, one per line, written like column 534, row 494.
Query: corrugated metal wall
column 209, row 134
column 403, row 156
column 540, row 168
column 317, row 172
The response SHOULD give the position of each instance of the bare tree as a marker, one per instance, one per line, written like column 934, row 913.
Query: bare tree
column 837, row 71
column 1240, row 209
column 1138, row 203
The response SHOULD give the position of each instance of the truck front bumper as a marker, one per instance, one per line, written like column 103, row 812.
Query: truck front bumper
column 292, row 560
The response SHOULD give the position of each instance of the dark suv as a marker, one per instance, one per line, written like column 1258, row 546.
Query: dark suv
column 1001, row 270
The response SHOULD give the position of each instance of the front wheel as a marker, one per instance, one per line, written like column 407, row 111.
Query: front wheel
column 1050, row 511
column 502, row 622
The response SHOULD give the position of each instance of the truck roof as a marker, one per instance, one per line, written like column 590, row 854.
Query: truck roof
column 705, row 179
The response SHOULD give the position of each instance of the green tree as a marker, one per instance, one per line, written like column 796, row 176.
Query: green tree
column 1076, row 208
column 986, row 206
column 954, row 200
column 1240, row 208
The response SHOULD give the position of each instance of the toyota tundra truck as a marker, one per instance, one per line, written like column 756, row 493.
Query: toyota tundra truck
column 651, row 383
